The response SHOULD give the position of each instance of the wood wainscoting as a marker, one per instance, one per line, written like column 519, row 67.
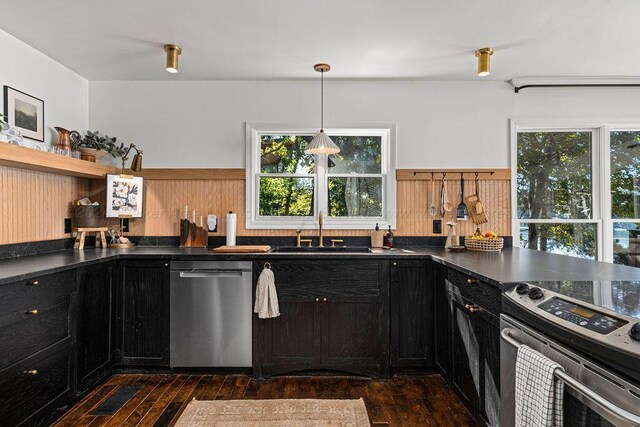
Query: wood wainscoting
column 34, row 204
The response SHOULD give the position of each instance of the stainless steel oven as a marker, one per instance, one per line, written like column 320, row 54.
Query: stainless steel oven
column 601, row 362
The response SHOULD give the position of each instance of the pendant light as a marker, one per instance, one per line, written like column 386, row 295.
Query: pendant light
column 484, row 61
column 321, row 143
column 173, row 52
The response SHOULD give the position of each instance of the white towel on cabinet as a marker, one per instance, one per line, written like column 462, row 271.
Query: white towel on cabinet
column 539, row 394
column 266, row 304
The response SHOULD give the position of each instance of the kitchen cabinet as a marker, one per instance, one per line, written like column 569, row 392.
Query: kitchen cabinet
column 412, row 314
column 143, row 313
column 334, row 316
column 443, row 321
column 475, row 374
column 95, row 324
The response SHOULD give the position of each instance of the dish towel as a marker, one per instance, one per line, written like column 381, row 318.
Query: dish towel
column 266, row 296
column 538, row 392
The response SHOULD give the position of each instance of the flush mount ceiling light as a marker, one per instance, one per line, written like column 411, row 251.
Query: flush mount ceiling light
column 173, row 52
column 484, row 61
column 321, row 143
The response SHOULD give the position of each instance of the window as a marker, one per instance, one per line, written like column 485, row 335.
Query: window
column 287, row 188
column 577, row 190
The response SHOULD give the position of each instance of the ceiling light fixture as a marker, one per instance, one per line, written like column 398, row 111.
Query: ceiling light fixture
column 484, row 61
column 173, row 51
column 321, row 143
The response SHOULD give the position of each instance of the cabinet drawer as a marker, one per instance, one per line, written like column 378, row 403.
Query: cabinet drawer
column 25, row 293
column 23, row 334
column 477, row 292
column 334, row 279
column 32, row 384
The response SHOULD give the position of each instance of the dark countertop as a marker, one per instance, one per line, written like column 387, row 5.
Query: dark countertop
column 499, row 268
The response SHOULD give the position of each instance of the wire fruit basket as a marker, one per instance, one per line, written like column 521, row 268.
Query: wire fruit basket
column 484, row 245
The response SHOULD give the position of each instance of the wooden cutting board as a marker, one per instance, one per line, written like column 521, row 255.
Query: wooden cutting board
column 242, row 249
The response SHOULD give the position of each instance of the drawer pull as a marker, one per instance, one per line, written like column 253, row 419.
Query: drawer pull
column 395, row 264
column 166, row 264
column 324, row 299
column 32, row 311
column 317, row 299
column 472, row 308
column 472, row 281
column 34, row 283
column 31, row 372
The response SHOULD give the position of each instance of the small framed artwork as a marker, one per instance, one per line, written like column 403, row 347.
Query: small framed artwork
column 124, row 196
column 25, row 113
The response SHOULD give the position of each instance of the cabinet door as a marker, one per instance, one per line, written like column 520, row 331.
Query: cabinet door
column 487, row 327
column 95, row 293
column 145, row 312
column 355, row 323
column 443, row 322
column 412, row 314
column 466, row 363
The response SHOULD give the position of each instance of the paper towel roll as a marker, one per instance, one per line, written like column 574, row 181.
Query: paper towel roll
column 232, row 221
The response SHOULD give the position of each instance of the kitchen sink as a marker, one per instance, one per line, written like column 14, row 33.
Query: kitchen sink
column 315, row 249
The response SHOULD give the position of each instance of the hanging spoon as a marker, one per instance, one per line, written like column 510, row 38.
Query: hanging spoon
column 432, row 208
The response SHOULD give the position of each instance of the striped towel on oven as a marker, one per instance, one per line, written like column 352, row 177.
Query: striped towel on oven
column 538, row 392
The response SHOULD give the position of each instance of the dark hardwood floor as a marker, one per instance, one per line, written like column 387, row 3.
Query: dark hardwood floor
column 401, row 401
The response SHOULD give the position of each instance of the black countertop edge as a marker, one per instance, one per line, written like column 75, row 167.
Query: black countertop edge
column 501, row 269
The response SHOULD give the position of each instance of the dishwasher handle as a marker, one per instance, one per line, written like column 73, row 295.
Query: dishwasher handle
column 211, row 273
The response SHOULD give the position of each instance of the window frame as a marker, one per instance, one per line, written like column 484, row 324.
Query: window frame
column 601, row 170
column 321, row 176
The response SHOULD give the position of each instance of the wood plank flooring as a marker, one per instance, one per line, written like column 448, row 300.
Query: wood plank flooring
column 424, row 400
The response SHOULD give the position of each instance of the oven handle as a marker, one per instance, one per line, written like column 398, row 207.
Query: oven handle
column 579, row 387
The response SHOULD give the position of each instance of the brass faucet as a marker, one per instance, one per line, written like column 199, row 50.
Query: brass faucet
column 320, row 223
column 299, row 240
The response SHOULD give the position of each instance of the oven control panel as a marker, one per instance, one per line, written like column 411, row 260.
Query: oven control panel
column 581, row 316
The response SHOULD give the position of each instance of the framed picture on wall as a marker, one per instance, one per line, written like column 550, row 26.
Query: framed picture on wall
column 124, row 196
column 25, row 113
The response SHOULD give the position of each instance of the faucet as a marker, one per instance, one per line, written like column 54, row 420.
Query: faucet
column 320, row 224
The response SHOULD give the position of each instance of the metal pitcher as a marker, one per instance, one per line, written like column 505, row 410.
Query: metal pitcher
column 66, row 137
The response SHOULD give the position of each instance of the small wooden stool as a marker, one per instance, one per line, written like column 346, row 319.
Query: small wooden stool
column 82, row 233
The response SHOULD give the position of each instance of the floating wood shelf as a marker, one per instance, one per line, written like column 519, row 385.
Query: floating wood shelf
column 26, row 158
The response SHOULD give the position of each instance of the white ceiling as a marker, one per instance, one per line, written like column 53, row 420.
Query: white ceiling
column 361, row 39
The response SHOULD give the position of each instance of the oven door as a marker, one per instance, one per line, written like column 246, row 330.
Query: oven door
column 593, row 396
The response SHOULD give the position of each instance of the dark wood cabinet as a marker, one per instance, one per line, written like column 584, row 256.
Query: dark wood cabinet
column 412, row 314
column 475, row 370
column 334, row 316
column 443, row 321
column 143, row 313
column 95, row 323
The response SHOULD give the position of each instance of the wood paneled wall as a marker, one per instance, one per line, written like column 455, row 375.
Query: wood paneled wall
column 34, row 204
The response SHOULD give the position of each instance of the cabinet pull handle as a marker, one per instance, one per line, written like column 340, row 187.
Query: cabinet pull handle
column 472, row 308
column 395, row 264
column 324, row 299
column 31, row 372
column 34, row 283
column 472, row 281
column 166, row 264
column 32, row 311
column 317, row 299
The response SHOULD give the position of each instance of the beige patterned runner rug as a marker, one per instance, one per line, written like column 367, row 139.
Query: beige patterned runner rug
column 275, row 413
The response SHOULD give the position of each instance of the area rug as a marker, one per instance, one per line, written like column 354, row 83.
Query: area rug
column 275, row 413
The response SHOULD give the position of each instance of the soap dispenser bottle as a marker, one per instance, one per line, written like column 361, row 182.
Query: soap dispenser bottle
column 452, row 237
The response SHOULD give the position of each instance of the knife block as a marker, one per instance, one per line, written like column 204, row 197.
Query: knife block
column 193, row 236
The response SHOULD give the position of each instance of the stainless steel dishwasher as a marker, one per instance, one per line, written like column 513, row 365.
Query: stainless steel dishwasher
column 211, row 314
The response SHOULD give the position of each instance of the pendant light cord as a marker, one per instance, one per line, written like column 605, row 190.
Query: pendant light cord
column 322, row 101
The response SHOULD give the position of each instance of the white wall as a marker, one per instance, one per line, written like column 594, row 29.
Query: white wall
column 444, row 124
column 65, row 93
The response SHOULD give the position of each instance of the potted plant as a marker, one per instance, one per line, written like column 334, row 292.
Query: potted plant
column 94, row 146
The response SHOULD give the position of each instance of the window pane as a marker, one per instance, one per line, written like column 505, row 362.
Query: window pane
column 579, row 240
column 626, row 243
column 285, row 154
column 355, row 197
column 554, row 175
column 286, row 196
column 625, row 171
column 358, row 154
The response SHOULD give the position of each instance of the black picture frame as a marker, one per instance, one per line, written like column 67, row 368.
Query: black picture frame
column 33, row 131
